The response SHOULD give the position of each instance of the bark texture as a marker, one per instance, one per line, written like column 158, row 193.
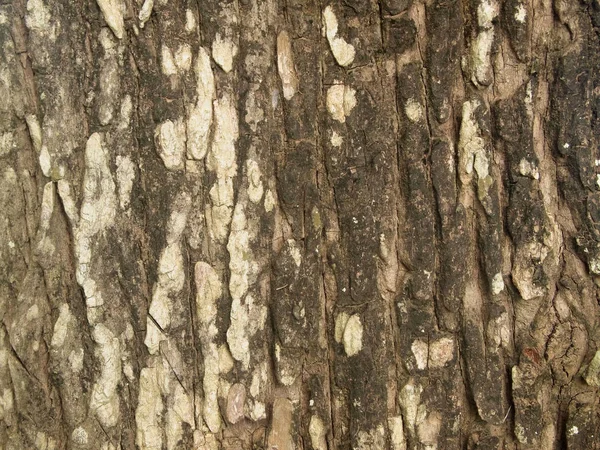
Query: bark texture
column 299, row 225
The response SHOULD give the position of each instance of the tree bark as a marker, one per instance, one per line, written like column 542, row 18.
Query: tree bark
column 299, row 225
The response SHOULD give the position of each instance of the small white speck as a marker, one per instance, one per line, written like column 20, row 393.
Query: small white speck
column 11, row 244
column 597, row 162
column 343, row 289
column 355, row 220
column 312, row 402
column 566, row 145
column 521, row 14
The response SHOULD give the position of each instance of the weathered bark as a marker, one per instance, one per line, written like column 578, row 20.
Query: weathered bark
column 288, row 225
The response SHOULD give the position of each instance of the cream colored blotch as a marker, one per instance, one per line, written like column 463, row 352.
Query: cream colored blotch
column 35, row 131
column 353, row 334
column 285, row 65
column 223, row 52
column 414, row 110
column 317, row 433
column 167, row 62
column 341, row 100
column 183, row 57
column 61, row 326
column 104, row 400
column 112, row 10
column 145, row 12
column 201, row 114
column 170, row 139
column 342, row 51
column 521, row 14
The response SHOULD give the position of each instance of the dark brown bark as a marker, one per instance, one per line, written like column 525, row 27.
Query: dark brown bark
column 289, row 225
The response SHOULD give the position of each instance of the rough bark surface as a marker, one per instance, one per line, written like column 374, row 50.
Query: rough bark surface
column 299, row 225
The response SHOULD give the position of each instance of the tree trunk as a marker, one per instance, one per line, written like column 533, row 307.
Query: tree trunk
column 292, row 225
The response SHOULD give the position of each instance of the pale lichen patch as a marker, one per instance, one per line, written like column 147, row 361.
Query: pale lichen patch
column 208, row 287
column 112, row 10
column 170, row 140
column 150, row 408
column 527, row 257
column 372, row 439
column 269, row 201
column 318, row 433
column 409, row 398
column 341, row 100
column 499, row 331
column 528, row 169
column 61, row 326
column 167, row 62
column 592, row 374
column 45, row 161
column 35, row 131
column 340, row 325
column 76, row 360
column 125, row 177
column 285, row 65
column 420, row 351
column 98, row 210
column 481, row 46
column 79, row 436
column 38, row 19
column 125, row 113
column 294, row 252
column 487, row 11
column 258, row 411
column 47, row 207
column 520, row 13
column 472, row 150
column 336, row 139
column 190, row 21
column 200, row 116
column 145, row 12
column 226, row 361
column 441, row 352
column 497, row 284
column 64, row 191
column 183, row 57
column 246, row 319
column 428, row 429
column 240, row 262
column 254, row 112
column 397, row 439
column 208, row 291
column 7, row 143
column 179, row 411
column 353, row 334
column 255, row 186
column 343, row 52
column 223, row 52
column 171, row 275
column 104, row 399
column 414, row 110
column 221, row 159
